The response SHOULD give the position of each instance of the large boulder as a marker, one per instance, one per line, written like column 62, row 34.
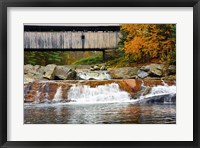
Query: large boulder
column 31, row 73
column 36, row 67
column 32, row 77
column 28, row 79
column 50, row 71
column 41, row 70
column 28, row 68
column 124, row 73
column 154, row 70
column 65, row 73
column 142, row 74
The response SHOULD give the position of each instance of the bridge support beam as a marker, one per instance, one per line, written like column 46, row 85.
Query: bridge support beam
column 104, row 56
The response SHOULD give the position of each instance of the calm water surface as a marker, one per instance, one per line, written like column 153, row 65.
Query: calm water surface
column 105, row 113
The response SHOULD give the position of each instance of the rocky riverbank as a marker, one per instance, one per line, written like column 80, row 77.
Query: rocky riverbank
column 45, row 83
column 66, row 72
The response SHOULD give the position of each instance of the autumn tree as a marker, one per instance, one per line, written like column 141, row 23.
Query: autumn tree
column 148, row 41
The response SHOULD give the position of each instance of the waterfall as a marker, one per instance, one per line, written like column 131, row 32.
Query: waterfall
column 37, row 100
column 108, row 93
column 161, row 90
column 96, row 75
column 160, row 94
column 101, row 94
column 58, row 95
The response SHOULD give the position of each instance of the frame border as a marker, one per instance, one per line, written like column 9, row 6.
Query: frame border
column 99, row 3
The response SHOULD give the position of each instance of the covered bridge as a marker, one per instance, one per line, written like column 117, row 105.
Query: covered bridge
column 71, row 37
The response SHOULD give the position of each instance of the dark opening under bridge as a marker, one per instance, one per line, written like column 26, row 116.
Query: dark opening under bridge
column 71, row 37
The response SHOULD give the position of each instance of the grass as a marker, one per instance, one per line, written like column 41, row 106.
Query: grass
column 89, row 60
column 118, row 62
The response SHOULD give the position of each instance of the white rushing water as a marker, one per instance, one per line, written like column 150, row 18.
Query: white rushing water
column 37, row 100
column 160, row 90
column 109, row 93
column 97, row 75
column 100, row 94
column 58, row 95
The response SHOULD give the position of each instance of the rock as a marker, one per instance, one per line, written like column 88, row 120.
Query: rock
column 92, row 69
column 96, row 67
column 33, row 77
column 31, row 74
column 124, row 73
column 91, row 79
column 142, row 92
column 50, row 71
column 28, row 69
column 71, row 75
column 145, row 68
column 160, row 99
column 64, row 73
column 142, row 74
column 38, row 76
column 171, row 70
column 36, row 67
column 146, row 91
column 28, row 79
column 41, row 70
column 103, row 67
column 155, row 70
column 134, row 84
column 79, row 78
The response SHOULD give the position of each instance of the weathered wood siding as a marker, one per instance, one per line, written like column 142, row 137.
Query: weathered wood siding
column 70, row 40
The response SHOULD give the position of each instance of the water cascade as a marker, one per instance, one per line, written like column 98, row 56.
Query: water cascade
column 100, row 94
column 96, row 75
column 161, row 93
column 37, row 100
column 93, row 92
column 58, row 95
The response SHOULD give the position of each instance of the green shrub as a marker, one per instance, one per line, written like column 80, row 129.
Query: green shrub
column 90, row 60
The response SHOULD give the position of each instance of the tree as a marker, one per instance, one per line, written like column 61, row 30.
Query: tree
column 148, row 41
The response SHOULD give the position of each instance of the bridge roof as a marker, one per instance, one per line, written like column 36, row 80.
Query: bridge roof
column 71, row 24
column 71, row 27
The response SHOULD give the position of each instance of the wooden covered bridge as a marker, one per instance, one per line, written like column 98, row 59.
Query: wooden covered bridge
column 71, row 37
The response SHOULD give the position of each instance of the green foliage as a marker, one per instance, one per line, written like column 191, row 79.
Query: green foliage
column 90, row 60
column 123, row 38
column 59, row 58
column 118, row 62
column 30, row 58
column 42, row 58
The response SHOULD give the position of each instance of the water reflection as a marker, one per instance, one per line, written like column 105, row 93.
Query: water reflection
column 111, row 113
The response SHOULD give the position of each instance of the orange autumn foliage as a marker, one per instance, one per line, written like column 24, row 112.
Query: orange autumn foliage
column 148, row 41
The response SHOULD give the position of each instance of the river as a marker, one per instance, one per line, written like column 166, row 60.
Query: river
column 102, row 113
column 103, row 104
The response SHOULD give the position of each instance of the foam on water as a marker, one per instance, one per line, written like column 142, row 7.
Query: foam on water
column 100, row 94
column 160, row 90
column 58, row 95
column 109, row 93
column 37, row 100
column 97, row 75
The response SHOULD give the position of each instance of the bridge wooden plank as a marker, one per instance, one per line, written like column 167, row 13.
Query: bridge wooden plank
column 71, row 39
column 64, row 49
